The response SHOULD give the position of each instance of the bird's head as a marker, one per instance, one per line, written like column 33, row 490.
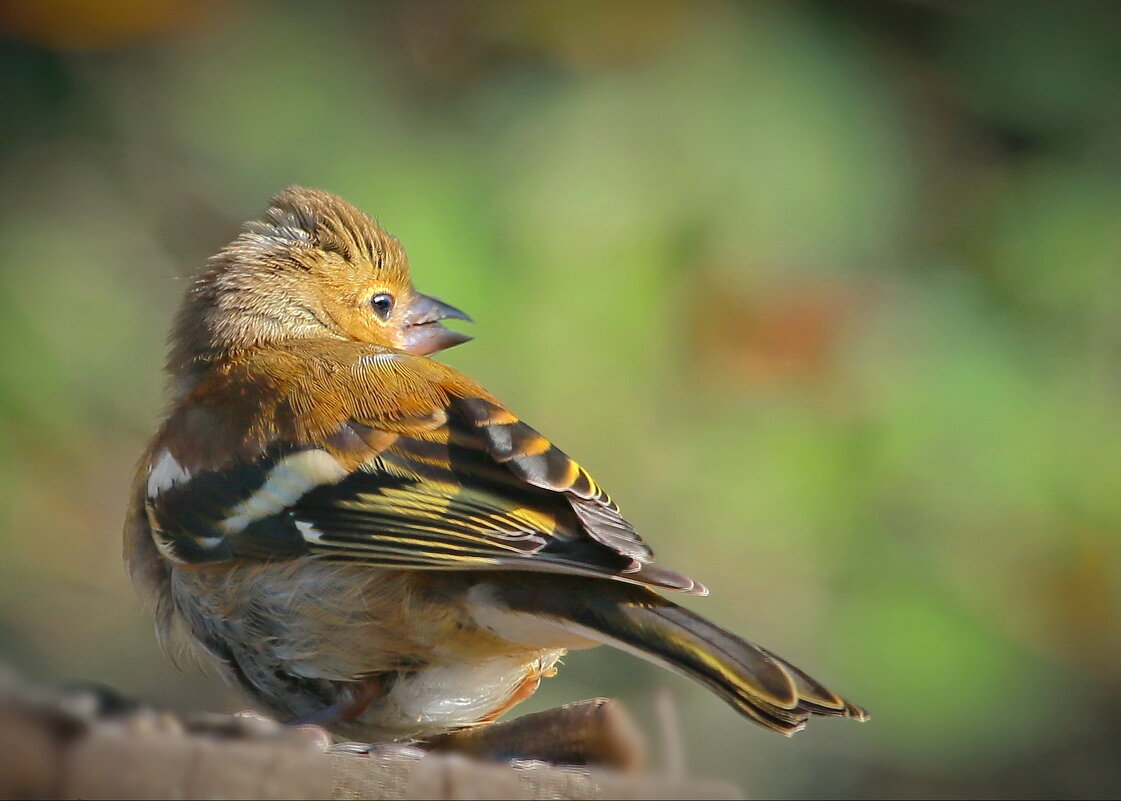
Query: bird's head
column 314, row 268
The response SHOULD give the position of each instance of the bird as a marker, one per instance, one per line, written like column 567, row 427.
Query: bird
column 360, row 536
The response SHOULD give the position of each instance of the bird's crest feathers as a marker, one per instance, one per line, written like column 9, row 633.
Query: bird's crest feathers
column 303, row 217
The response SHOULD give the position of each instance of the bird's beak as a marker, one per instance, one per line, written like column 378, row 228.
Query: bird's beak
column 422, row 333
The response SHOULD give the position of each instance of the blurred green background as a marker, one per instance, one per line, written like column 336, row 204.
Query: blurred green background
column 827, row 294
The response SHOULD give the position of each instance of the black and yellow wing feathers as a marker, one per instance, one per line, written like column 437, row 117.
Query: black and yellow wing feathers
column 457, row 484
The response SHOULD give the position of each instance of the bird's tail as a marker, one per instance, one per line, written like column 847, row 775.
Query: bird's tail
column 760, row 685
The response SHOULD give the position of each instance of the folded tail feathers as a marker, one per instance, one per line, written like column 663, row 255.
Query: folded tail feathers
column 757, row 683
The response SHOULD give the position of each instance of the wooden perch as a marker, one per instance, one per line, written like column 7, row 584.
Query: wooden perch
column 94, row 744
column 594, row 732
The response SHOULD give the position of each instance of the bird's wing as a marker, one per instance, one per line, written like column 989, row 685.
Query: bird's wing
column 426, row 471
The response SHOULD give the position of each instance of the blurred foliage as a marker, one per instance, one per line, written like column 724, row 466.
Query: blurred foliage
column 828, row 295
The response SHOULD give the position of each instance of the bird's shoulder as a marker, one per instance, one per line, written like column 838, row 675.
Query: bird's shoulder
column 308, row 394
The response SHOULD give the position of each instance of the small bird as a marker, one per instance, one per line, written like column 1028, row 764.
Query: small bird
column 362, row 537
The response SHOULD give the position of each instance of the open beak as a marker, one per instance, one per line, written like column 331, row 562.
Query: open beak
column 422, row 333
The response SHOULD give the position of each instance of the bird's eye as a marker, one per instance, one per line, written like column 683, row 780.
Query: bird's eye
column 382, row 305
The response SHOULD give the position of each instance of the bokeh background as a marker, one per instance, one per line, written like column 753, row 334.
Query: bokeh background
column 827, row 294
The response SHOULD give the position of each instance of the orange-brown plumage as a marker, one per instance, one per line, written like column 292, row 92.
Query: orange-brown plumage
column 358, row 534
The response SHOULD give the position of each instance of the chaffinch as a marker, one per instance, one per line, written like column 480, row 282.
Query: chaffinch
column 360, row 536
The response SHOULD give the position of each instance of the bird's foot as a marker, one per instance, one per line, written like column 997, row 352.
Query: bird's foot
column 402, row 750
